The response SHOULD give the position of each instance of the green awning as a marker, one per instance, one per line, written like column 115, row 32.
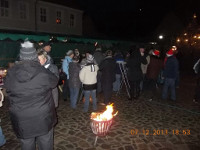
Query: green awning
column 16, row 37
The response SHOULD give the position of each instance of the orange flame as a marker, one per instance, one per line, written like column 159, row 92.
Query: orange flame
column 106, row 115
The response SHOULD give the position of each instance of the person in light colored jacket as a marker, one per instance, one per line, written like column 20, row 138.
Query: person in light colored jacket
column 65, row 68
column 88, row 77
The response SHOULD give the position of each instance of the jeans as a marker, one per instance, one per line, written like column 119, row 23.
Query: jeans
column 2, row 138
column 45, row 142
column 169, row 83
column 116, row 84
column 87, row 95
column 142, row 82
column 66, row 89
column 74, row 96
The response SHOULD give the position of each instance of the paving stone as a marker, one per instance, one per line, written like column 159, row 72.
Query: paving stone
column 73, row 130
column 129, row 148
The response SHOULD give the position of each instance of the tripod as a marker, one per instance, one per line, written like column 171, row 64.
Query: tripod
column 124, row 80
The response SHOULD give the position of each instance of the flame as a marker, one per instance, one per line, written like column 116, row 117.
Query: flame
column 106, row 115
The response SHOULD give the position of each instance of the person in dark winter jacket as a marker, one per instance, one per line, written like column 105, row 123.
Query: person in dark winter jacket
column 108, row 68
column 98, row 57
column 44, row 61
column 88, row 77
column 74, row 81
column 135, row 72
column 171, row 68
column 32, row 111
column 153, row 71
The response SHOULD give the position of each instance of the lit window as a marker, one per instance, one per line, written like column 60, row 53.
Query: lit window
column 58, row 17
column 22, row 10
column 4, row 8
column 71, row 20
column 43, row 15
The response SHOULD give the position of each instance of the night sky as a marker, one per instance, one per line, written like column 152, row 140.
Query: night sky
column 133, row 18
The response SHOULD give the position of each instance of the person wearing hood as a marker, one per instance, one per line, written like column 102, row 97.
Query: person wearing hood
column 74, row 81
column 32, row 111
column 108, row 69
column 88, row 77
column 171, row 68
column 65, row 68
column 44, row 61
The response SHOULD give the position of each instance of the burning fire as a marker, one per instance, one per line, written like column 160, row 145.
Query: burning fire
column 106, row 115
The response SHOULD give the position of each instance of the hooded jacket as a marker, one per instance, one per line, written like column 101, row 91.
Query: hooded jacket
column 88, row 76
column 29, row 87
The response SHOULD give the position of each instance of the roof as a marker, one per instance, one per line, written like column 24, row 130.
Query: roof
column 67, row 3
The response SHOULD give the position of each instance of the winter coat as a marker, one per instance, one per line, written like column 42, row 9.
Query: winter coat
column 98, row 56
column 54, row 69
column 108, row 69
column 134, row 66
column 65, row 65
column 29, row 87
column 154, row 67
column 74, row 69
column 88, row 76
column 171, row 68
column 144, row 67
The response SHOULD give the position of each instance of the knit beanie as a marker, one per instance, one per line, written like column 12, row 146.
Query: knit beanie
column 27, row 51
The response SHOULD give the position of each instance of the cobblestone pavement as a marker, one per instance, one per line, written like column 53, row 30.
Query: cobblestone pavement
column 140, row 125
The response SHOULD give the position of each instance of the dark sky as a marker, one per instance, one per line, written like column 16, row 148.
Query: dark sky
column 133, row 18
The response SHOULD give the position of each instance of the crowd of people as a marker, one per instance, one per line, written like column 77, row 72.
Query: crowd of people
column 31, row 84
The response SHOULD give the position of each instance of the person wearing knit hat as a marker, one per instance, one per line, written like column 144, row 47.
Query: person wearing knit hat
column 171, row 68
column 27, row 51
column 31, row 105
column 65, row 68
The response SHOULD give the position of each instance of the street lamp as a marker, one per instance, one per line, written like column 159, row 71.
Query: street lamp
column 160, row 37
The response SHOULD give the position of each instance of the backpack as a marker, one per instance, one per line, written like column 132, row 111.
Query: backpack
column 196, row 67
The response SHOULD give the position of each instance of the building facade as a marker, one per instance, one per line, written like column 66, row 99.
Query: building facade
column 39, row 16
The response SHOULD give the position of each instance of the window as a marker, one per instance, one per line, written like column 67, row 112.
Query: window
column 4, row 8
column 43, row 15
column 23, row 10
column 71, row 20
column 58, row 17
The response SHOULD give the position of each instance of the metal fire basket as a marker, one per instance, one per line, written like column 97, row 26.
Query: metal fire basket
column 100, row 128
